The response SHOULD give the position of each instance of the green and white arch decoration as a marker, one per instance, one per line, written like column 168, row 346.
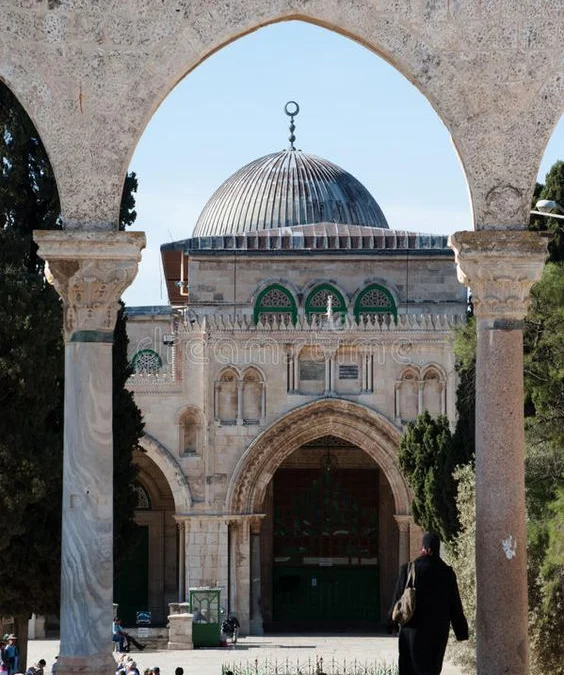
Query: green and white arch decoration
column 146, row 362
column 375, row 299
column 317, row 301
column 275, row 300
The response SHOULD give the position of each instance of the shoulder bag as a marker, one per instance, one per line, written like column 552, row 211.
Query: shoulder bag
column 404, row 609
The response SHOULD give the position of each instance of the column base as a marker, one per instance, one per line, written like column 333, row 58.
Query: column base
column 256, row 627
column 93, row 664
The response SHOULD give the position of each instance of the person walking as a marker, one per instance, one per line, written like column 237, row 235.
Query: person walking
column 12, row 655
column 423, row 639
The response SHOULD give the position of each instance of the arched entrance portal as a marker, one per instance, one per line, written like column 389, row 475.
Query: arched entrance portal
column 147, row 579
column 328, row 540
column 323, row 491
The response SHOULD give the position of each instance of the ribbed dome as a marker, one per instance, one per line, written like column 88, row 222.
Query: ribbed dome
column 285, row 189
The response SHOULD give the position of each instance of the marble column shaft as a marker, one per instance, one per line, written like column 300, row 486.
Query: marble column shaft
column 90, row 270
column 404, row 543
column 500, row 268
column 256, row 624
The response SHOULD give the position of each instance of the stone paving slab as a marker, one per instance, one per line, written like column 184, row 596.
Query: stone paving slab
column 272, row 648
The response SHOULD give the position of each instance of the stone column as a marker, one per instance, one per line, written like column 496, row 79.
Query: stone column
column 500, row 267
column 240, row 402
column 181, row 560
column 363, row 371
column 397, row 415
column 90, row 270
column 403, row 547
column 296, row 366
column 420, row 391
column 256, row 627
column 262, row 400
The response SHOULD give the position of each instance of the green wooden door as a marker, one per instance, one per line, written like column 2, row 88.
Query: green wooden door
column 326, row 597
column 131, row 585
column 325, row 542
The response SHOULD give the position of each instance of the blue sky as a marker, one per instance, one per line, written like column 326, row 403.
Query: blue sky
column 356, row 111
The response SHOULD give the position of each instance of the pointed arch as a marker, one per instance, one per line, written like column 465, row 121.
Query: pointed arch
column 275, row 300
column 365, row 428
column 317, row 299
column 375, row 299
column 171, row 470
column 254, row 396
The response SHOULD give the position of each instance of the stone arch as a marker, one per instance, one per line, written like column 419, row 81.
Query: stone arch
column 190, row 420
column 408, row 394
column 172, row 472
column 433, row 380
column 253, row 395
column 365, row 428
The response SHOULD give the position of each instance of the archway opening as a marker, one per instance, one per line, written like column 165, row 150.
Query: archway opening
column 329, row 548
column 148, row 577
column 232, row 121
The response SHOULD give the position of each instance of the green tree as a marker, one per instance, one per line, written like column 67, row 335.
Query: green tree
column 544, row 356
column 553, row 189
column 427, row 460
column 460, row 553
column 32, row 380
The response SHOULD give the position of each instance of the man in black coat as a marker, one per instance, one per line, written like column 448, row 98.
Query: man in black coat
column 423, row 640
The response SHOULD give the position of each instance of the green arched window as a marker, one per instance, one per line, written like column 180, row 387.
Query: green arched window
column 275, row 300
column 317, row 301
column 146, row 361
column 375, row 299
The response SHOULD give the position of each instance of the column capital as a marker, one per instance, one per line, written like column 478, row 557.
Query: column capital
column 403, row 522
column 90, row 271
column 500, row 266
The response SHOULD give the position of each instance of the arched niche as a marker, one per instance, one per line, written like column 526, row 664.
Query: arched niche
column 253, row 392
column 434, row 383
column 190, row 431
column 408, row 395
column 361, row 426
column 226, row 396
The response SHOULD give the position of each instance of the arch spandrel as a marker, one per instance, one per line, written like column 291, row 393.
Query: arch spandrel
column 92, row 76
column 352, row 422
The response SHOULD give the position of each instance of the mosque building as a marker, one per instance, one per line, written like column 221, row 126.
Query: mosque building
column 302, row 333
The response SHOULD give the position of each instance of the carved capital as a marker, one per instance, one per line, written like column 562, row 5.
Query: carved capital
column 90, row 271
column 500, row 267
column 403, row 522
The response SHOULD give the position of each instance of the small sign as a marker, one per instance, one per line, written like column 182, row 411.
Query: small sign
column 143, row 618
column 348, row 371
column 143, row 632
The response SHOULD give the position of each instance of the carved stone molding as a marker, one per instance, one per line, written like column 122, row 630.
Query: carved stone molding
column 90, row 271
column 403, row 522
column 352, row 422
column 500, row 267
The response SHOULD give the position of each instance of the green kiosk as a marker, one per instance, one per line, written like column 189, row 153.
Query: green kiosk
column 204, row 606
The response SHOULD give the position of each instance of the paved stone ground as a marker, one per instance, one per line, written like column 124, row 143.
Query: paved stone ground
column 272, row 648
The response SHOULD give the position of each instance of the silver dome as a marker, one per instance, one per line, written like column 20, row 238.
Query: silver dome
column 285, row 189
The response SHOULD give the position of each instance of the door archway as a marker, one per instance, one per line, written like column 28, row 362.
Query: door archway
column 300, row 475
column 361, row 426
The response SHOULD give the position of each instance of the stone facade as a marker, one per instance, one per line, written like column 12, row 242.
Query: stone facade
column 233, row 396
column 90, row 75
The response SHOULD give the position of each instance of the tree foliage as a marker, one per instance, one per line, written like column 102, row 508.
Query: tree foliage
column 32, row 378
column 460, row 554
column 427, row 460
column 553, row 189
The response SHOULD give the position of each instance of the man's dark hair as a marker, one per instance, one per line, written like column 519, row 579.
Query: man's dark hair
column 431, row 542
